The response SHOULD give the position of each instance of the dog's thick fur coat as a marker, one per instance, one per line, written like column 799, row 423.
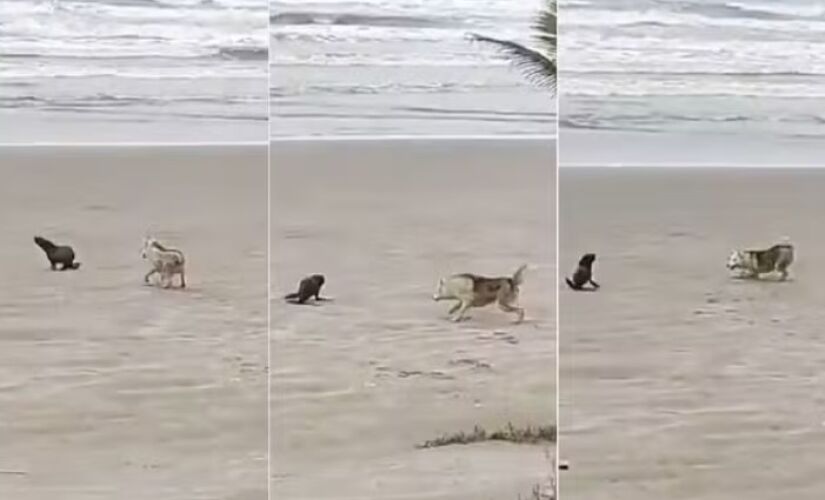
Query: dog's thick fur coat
column 167, row 262
column 583, row 274
column 62, row 255
column 472, row 290
column 308, row 288
column 752, row 263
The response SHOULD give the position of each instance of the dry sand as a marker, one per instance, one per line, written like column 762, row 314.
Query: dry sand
column 359, row 382
column 678, row 382
column 112, row 389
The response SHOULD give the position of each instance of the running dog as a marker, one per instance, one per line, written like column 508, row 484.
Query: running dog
column 583, row 274
column 308, row 288
column 752, row 263
column 167, row 262
column 57, row 254
column 471, row 290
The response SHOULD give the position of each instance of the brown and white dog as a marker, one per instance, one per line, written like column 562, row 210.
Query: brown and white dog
column 472, row 290
column 752, row 263
column 167, row 262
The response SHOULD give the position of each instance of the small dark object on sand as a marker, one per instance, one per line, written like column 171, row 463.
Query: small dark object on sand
column 308, row 288
column 583, row 274
column 57, row 254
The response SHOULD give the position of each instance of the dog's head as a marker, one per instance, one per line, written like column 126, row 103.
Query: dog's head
column 587, row 260
column 440, row 291
column 148, row 242
column 736, row 260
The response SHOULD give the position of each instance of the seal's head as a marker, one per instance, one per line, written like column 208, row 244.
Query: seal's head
column 43, row 243
column 587, row 260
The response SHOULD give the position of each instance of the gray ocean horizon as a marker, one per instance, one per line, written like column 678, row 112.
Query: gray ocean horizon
column 382, row 68
column 708, row 82
column 133, row 71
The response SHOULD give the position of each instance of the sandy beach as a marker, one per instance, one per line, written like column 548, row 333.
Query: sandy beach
column 113, row 389
column 360, row 381
column 678, row 382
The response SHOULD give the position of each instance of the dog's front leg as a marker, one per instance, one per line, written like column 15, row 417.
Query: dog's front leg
column 182, row 279
column 462, row 308
column 148, row 275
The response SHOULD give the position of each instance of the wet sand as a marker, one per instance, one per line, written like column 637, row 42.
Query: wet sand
column 360, row 381
column 113, row 389
column 678, row 382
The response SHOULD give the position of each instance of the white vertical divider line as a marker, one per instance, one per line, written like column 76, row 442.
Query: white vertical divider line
column 268, row 254
column 558, row 249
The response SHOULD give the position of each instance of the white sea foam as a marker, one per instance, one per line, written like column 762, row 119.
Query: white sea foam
column 665, row 65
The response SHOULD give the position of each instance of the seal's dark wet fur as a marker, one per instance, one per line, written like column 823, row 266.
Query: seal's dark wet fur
column 57, row 254
column 583, row 274
column 308, row 288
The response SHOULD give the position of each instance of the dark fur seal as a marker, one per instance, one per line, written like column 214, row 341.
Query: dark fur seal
column 583, row 274
column 308, row 288
column 57, row 254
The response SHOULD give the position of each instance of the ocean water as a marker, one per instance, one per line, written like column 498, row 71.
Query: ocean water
column 401, row 67
column 645, row 75
column 133, row 70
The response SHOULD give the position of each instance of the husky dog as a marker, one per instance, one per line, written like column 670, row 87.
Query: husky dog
column 165, row 261
column 308, row 288
column 471, row 290
column 752, row 263
column 583, row 274
column 57, row 254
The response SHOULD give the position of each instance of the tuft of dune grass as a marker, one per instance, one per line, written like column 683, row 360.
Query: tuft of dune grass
column 511, row 434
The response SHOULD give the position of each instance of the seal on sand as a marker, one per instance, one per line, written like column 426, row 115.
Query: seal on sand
column 308, row 288
column 57, row 254
column 583, row 274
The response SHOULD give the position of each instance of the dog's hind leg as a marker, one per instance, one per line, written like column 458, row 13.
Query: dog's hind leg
column 182, row 279
column 512, row 309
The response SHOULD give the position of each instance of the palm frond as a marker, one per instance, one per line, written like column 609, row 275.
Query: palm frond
column 537, row 67
column 545, row 29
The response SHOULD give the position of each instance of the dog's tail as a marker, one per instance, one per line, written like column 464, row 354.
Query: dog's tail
column 518, row 276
